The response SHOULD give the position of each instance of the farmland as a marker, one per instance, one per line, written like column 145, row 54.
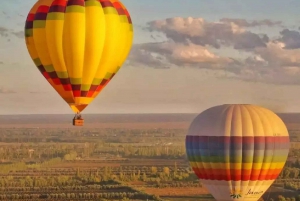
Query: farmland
column 121, row 157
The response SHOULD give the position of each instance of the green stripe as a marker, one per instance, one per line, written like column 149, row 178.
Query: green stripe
column 92, row 3
column 85, row 87
column 123, row 19
column 62, row 74
column 110, row 10
column 108, row 76
column 75, row 9
column 96, row 81
column 37, row 61
column 49, row 68
column 75, row 80
column 39, row 24
column 56, row 16
column 28, row 32
column 130, row 27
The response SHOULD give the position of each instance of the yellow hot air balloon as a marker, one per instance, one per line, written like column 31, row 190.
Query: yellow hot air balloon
column 78, row 45
column 237, row 151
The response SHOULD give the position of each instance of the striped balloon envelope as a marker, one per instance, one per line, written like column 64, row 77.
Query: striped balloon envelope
column 237, row 151
column 78, row 45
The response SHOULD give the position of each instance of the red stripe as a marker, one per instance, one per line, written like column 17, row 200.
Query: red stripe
column 56, row 81
column 237, row 175
column 117, row 5
column 43, row 9
column 30, row 17
column 59, row 3
column 76, row 93
column 46, row 75
column 67, row 87
column 126, row 12
column 90, row 94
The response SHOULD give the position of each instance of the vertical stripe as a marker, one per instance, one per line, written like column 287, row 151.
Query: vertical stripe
column 74, row 43
column 94, row 44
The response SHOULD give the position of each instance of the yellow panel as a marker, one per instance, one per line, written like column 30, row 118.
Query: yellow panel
column 54, row 29
column 108, row 58
column 83, row 100
column 39, row 36
column 31, row 47
column 94, row 41
column 73, row 43
column 121, row 40
column 129, row 40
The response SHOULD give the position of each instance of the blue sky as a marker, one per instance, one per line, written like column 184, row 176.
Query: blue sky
column 210, row 70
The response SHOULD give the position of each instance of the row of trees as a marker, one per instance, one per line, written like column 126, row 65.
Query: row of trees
column 81, row 177
column 114, row 135
column 108, row 195
column 20, row 166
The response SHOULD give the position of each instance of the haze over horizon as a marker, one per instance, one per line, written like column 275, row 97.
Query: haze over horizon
column 185, row 59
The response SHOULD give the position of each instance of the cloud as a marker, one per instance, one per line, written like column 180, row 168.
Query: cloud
column 195, row 42
column 19, row 34
column 4, row 32
column 290, row 38
column 271, row 64
column 6, row 91
column 277, row 55
column 254, row 23
column 202, row 32
column 141, row 55
column 167, row 54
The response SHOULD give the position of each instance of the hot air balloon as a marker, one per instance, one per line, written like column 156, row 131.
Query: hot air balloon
column 237, row 150
column 78, row 46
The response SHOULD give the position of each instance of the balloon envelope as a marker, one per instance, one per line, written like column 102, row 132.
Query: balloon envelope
column 78, row 45
column 237, row 151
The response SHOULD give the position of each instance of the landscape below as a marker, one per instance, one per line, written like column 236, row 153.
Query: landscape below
column 113, row 157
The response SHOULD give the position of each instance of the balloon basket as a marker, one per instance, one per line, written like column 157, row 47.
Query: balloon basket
column 78, row 122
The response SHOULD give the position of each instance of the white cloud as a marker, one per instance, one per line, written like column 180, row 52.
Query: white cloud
column 192, row 41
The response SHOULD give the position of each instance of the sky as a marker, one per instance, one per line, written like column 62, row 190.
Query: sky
column 187, row 56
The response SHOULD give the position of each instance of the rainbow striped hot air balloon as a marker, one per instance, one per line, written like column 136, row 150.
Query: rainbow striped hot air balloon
column 78, row 45
column 237, row 151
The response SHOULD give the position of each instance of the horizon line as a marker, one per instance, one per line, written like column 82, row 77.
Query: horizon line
column 160, row 113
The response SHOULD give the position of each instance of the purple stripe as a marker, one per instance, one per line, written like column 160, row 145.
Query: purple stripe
column 106, row 4
column 75, row 3
column 57, row 8
column 121, row 11
column 129, row 20
column 84, row 93
column 65, row 81
column 29, row 25
column 53, row 75
column 93, row 87
column 76, row 87
column 40, row 16
column 238, row 143
column 103, row 82
column 244, row 140
column 41, row 68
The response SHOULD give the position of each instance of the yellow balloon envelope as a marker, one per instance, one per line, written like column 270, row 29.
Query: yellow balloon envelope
column 237, row 151
column 78, row 45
